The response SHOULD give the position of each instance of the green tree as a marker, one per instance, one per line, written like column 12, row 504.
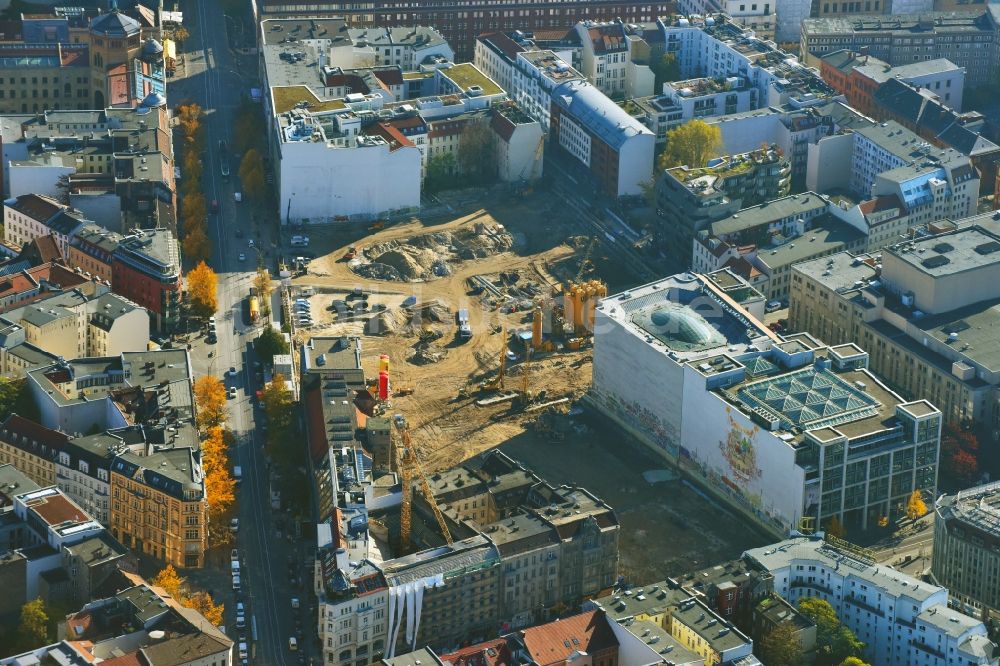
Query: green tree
column 692, row 144
column 781, row 647
column 834, row 641
column 440, row 172
column 277, row 401
column 665, row 68
column 270, row 342
column 854, row 661
column 475, row 153
column 15, row 398
column 34, row 626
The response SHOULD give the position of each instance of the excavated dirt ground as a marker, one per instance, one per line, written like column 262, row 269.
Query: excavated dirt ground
column 667, row 527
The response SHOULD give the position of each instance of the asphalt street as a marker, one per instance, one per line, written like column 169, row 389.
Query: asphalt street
column 273, row 568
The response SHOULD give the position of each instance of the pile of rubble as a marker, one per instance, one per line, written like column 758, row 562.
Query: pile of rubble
column 430, row 256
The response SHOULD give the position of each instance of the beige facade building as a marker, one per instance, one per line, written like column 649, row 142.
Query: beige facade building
column 31, row 448
column 158, row 506
column 926, row 310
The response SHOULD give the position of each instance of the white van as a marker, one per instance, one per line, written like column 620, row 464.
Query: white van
column 300, row 241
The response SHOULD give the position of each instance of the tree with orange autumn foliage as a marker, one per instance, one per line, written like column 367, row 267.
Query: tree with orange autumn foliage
column 220, row 487
column 209, row 401
column 176, row 586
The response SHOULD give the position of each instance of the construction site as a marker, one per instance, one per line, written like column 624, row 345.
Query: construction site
column 488, row 334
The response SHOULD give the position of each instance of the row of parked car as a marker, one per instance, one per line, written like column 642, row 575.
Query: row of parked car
column 302, row 312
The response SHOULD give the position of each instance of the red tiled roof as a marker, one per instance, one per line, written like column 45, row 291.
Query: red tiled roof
column 58, row 509
column 47, row 248
column 881, row 203
column 743, row 268
column 395, row 138
column 608, row 38
column 16, row 284
column 552, row 643
column 495, row 652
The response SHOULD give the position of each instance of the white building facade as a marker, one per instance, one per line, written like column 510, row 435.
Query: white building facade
column 901, row 620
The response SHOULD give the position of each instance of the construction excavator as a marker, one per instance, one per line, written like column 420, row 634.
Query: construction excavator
column 407, row 463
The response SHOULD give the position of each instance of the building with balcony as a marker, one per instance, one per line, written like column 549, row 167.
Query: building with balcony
column 689, row 200
column 897, row 617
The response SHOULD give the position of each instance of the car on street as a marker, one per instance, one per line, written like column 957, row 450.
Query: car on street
column 232, row 392
column 295, row 602
column 242, row 257
column 211, row 339
column 222, row 145
column 215, row 206
column 293, row 644
column 236, row 582
column 244, row 652
column 234, row 524
column 241, row 620
column 240, row 608
column 234, row 556
column 225, row 168
column 232, row 371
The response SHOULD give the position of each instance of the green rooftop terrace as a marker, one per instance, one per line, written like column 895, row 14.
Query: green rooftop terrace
column 287, row 98
column 467, row 75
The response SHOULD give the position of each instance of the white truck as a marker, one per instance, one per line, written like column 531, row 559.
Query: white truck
column 462, row 319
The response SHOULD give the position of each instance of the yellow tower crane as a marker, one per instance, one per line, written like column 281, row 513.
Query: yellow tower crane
column 406, row 463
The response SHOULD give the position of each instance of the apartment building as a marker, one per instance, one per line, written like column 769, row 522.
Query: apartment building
column 925, row 113
column 115, row 165
column 612, row 147
column 35, row 77
column 716, row 47
column 31, row 448
column 680, row 616
column 783, row 426
column 926, row 316
column 405, row 47
column 460, row 25
column 146, row 269
column 966, row 533
column 900, row 619
column 760, row 17
column 689, row 199
column 858, row 76
column 889, row 160
column 19, row 287
column 702, row 97
column 29, row 216
column 79, row 322
column 968, row 39
column 591, row 635
column 92, row 250
column 162, row 631
column 159, row 507
column 607, row 60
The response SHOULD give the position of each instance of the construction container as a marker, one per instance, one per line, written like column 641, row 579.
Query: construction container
column 383, row 386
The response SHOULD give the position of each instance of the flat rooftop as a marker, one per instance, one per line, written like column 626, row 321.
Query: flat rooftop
column 965, row 249
column 686, row 317
column 976, row 508
column 840, row 271
column 802, row 550
column 766, row 213
column 467, row 76
column 978, row 329
column 827, row 235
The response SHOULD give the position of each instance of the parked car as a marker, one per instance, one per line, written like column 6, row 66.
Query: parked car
column 234, row 524
column 234, row 556
column 236, row 582
column 232, row 392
